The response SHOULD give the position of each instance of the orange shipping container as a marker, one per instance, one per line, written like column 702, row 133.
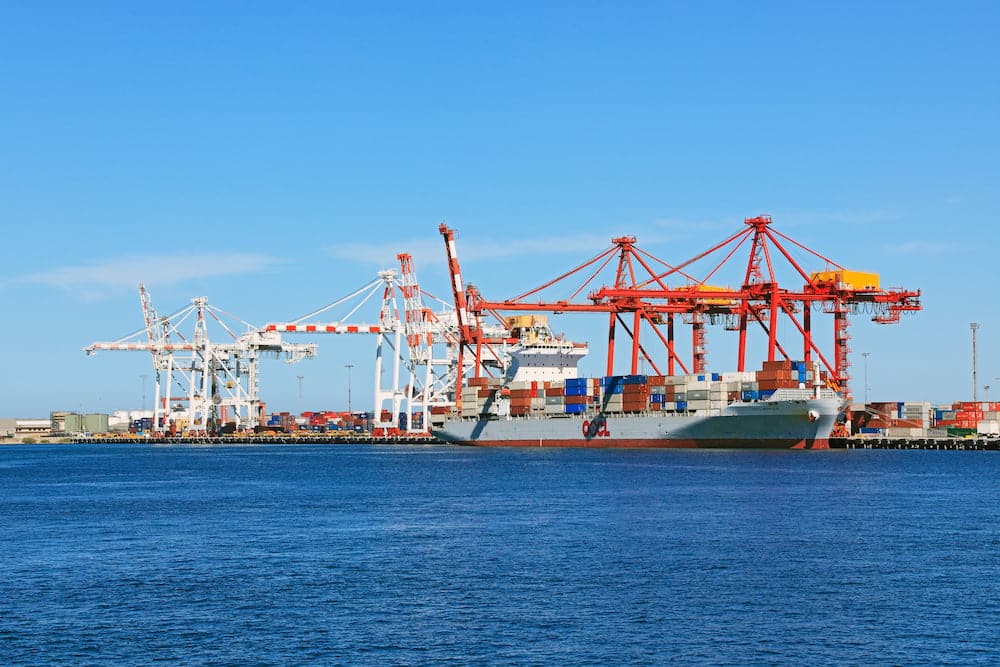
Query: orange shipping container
column 777, row 365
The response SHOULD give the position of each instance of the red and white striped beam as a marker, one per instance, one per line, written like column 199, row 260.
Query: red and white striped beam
column 325, row 328
column 144, row 347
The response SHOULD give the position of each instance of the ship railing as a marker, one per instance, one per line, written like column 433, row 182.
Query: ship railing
column 801, row 394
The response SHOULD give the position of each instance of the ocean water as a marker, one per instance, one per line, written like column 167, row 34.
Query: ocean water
column 415, row 555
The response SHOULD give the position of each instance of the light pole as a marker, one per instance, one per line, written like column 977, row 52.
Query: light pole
column 973, row 326
column 143, row 405
column 865, row 355
column 349, row 367
column 300, row 385
column 986, row 388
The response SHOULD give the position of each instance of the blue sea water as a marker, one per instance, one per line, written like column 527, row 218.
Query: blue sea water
column 416, row 555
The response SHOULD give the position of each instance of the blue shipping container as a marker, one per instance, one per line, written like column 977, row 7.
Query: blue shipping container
column 613, row 384
column 635, row 379
column 575, row 408
column 576, row 382
column 575, row 391
column 682, row 405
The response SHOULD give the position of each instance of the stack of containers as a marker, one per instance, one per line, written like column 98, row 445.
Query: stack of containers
column 913, row 420
column 321, row 421
column 635, row 393
column 782, row 374
column 943, row 416
column 676, row 392
column 968, row 417
column 555, row 395
column 910, row 421
column 479, row 396
column 612, row 393
column 632, row 393
column 576, row 394
column 741, row 385
column 522, row 396
column 990, row 422
column 281, row 421
column 875, row 418
column 658, row 393
column 141, row 425
column 698, row 390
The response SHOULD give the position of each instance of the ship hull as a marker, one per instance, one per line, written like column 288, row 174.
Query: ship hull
column 786, row 424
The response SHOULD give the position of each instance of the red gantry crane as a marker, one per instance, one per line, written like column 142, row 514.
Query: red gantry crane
column 640, row 297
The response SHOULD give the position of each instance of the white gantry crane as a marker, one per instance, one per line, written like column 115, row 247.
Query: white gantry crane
column 424, row 361
column 388, row 331
column 201, row 385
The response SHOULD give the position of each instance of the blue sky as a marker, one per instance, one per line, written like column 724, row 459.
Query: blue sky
column 274, row 156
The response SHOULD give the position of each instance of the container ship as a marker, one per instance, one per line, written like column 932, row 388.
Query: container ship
column 541, row 402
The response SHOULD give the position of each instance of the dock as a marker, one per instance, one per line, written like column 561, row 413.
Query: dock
column 974, row 444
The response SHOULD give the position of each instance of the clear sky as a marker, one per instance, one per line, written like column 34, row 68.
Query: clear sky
column 273, row 156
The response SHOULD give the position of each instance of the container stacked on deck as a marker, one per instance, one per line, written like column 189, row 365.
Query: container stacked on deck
column 632, row 393
column 577, row 394
column 479, row 396
column 783, row 375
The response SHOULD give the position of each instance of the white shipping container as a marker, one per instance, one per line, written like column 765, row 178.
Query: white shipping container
column 739, row 376
column 904, row 432
column 988, row 427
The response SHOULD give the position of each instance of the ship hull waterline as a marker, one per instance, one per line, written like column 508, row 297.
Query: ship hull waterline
column 800, row 424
